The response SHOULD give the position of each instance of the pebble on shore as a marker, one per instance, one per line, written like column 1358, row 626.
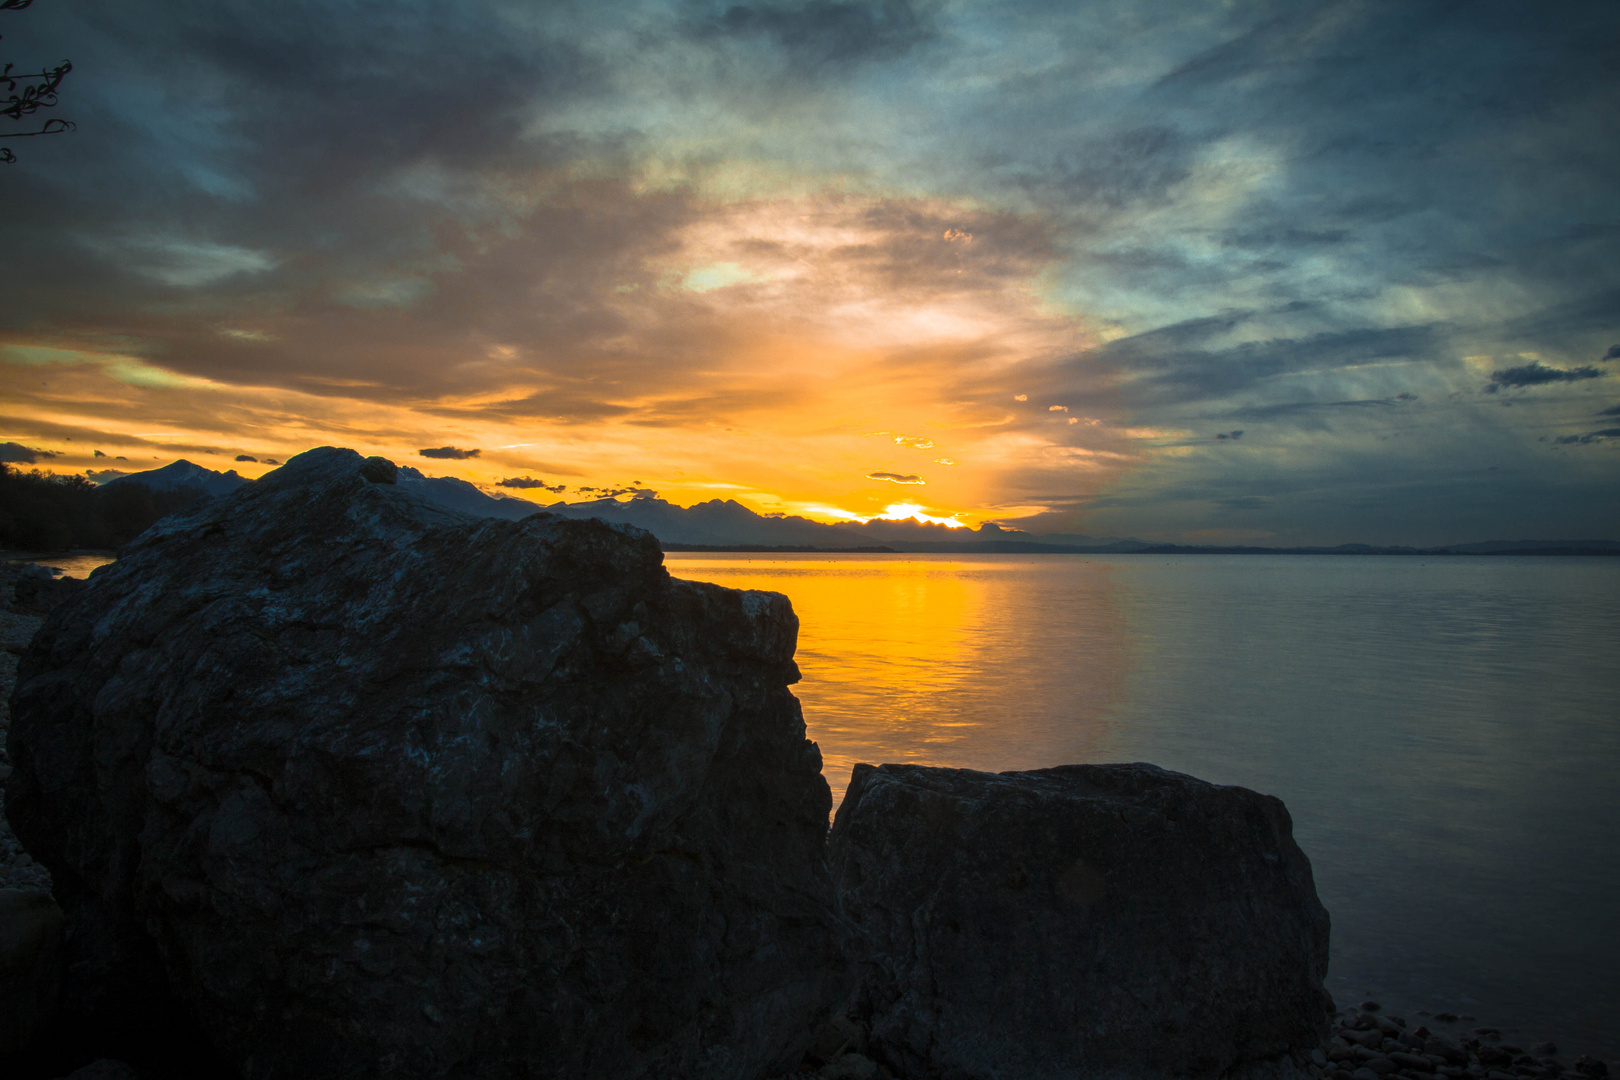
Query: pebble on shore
column 1366, row 1044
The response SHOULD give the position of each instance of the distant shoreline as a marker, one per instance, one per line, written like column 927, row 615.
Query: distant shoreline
column 782, row 548
column 1014, row 547
column 998, row 547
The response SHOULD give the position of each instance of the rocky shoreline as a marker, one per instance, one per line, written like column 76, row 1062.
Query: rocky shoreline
column 1367, row 1044
column 338, row 783
column 1364, row 1044
column 26, row 594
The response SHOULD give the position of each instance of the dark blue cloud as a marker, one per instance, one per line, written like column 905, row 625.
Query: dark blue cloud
column 1290, row 408
column 1168, row 368
column 1137, row 166
column 818, row 34
column 1538, row 374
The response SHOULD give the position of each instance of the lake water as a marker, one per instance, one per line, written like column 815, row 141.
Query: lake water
column 1445, row 732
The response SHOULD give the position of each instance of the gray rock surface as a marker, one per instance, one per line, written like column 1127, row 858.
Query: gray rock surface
column 18, row 624
column 367, row 787
column 1082, row 921
column 30, row 966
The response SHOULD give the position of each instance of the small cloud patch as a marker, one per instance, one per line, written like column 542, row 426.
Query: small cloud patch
column 452, row 453
column 1020, row 397
column 1613, row 353
column 896, row 478
column 916, row 442
column 530, row 482
column 943, row 461
column 247, row 457
column 1589, row 438
column 100, row 454
column 1232, row 435
column 1057, row 408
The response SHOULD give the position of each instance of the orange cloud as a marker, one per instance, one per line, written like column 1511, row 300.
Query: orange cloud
column 747, row 346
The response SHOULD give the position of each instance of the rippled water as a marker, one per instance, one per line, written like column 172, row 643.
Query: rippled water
column 1445, row 732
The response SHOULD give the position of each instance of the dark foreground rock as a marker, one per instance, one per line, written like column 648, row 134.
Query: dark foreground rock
column 30, row 967
column 354, row 786
column 18, row 624
column 1082, row 921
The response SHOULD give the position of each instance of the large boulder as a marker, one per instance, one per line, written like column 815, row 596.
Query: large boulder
column 30, row 967
column 360, row 786
column 1082, row 921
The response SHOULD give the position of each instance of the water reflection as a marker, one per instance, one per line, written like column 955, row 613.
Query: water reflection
column 988, row 663
column 73, row 564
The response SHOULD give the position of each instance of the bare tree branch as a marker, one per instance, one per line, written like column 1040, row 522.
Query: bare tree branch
column 39, row 91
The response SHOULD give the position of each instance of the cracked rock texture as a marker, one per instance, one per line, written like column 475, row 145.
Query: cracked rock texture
column 355, row 786
column 1082, row 921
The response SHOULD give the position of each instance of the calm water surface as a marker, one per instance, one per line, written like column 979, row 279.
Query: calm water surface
column 1445, row 732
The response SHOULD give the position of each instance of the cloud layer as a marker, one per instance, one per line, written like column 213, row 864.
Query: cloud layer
column 1072, row 250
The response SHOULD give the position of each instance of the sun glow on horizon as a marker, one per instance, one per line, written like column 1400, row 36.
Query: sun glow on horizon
column 901, row 511
column 797, row 329
column 917, row 512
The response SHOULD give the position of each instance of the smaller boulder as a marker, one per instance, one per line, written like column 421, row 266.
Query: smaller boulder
column 30, row 966
column 1080, row 922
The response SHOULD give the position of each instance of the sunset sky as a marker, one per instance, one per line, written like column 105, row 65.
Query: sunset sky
column 1266, row 272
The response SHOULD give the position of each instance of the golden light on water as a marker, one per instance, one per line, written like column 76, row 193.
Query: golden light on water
column 933, row 659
